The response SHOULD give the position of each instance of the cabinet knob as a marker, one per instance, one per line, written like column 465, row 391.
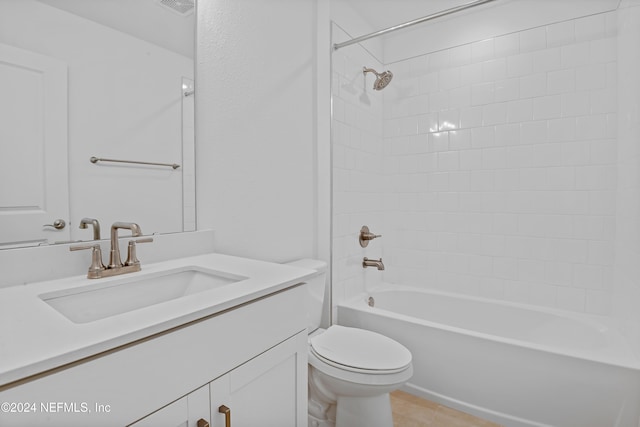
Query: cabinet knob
column 203, row 423
column 227, row 415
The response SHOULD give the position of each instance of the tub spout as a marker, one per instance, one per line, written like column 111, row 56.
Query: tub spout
column 366, row 262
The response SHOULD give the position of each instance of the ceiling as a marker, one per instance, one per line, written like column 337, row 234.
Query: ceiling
column 499, row 17
column 382, row 14
column 148, row 20
column 144, row 19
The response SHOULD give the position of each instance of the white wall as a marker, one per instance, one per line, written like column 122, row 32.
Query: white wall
column 479, row 23
column 357, row 152
column 627, row 260
column 347, row 17
column 501, row 166
column 125, row 102
column 500, row 171
column 357, row 168
column 255, row 126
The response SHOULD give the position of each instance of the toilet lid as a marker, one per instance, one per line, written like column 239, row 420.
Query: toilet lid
column 359, row 348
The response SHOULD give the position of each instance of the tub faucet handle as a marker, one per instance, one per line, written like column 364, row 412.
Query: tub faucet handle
column 365, row 236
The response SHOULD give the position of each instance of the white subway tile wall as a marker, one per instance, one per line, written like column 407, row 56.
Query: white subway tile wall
column 517, row 192
column 627, row 225
column 358, row 167
column 490, row 168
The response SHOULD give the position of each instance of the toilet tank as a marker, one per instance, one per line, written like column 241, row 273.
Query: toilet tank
column 316, row 285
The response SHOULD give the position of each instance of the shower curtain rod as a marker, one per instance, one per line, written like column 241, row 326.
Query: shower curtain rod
column 445, row 12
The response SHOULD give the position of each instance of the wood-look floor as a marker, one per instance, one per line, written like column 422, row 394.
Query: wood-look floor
column 411, row 411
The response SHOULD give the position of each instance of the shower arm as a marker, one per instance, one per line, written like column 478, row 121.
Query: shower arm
column 366, row 70
column 442, row 13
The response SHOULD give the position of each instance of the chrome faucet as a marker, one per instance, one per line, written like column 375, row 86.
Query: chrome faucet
column 84, row 222
column 114, row 256
column 366, row 262
column 115, row 267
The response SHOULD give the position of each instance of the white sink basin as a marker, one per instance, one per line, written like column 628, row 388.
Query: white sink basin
column 128, row 293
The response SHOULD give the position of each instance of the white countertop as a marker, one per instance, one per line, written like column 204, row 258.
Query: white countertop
column 34, row 337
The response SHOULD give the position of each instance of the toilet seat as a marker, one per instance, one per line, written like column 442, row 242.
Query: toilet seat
column 360, row 351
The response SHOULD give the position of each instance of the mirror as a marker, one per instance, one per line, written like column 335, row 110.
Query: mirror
column 110, row 79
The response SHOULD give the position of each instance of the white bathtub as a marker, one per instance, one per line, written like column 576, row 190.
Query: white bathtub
column 507, row 363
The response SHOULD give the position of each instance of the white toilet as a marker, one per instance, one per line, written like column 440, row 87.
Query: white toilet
column 351, row 370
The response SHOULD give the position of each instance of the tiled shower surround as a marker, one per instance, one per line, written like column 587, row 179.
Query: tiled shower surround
column 489, row 168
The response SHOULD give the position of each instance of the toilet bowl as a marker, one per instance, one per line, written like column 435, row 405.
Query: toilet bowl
column 351, row 370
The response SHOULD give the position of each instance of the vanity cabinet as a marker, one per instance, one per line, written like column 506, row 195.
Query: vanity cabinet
column 261, row 392
column 188, row 411
column 265, row 391
column 251, row 359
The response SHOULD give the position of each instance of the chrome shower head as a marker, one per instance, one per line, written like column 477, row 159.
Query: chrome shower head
column 382, row 79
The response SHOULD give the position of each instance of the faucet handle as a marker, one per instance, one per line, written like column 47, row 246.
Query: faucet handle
column 96, row 258
column 145, row 240
column 365, row 236
column 82, row 247
column 132, row 258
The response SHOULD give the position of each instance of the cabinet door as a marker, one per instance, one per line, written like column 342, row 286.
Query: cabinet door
column 268, row 390
column 190, row 411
